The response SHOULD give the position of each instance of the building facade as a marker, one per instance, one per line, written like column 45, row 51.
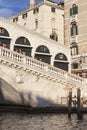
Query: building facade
column 46, row 18
column 76, row 34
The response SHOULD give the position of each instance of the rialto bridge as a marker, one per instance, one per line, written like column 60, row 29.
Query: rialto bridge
column 20, row 39
column 33, row 69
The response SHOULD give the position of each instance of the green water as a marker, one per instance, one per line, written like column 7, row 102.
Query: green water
column 13, row 121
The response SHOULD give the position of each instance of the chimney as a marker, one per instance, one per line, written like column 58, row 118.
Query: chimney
column 32, row 3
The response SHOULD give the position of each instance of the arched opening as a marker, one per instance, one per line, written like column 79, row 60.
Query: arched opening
column 22, row 45
column 74, row 29
column 61, row 61
column 73, row 10
column 4, row 38
column 43, row 54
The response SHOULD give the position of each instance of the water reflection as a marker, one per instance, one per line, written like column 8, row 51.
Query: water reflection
column 10, row 121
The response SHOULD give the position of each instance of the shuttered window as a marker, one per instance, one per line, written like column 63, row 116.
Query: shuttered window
column 74, row 10
column 74, row 30
column 74, row 50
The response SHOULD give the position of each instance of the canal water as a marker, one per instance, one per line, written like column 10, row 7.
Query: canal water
column 13, row 121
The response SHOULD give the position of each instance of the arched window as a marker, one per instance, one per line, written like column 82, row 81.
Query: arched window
column 42, row 49
column 22, row 41
column 61, row 56
column 4, row 38
column 61, row 61
column 74, row 10
column 74, row 30
column 43, row 54
column 4, row 32
column 22, row 45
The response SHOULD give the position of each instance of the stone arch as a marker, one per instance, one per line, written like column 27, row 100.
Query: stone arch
column 22, row 45
column 43, row 54
column 61, row 61
column 4, row 38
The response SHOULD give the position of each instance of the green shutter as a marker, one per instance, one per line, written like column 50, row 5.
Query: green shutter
column 70, row 12
column 75, row 10
column 71, row 31
column 76, row 30
column 77, row 50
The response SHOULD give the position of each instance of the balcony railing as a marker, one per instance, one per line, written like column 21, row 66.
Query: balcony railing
column 74, row 39
column 73, row 18
column 30, row 63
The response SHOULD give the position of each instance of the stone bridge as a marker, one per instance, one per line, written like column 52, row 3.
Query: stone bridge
column 27, row 81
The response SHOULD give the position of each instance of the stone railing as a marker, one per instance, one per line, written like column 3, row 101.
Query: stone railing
column 25, row 61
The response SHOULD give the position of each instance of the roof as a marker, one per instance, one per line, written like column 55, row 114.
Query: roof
column 48, row 2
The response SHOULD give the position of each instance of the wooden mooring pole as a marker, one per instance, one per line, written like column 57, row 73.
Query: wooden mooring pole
column 78, row 110
column 70, row 104
column 77, row 105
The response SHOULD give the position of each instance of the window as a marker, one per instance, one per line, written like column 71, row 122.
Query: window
column 4, row 41
column 53, row 9
column 3, row 32
column 54, row 36
column 22, row 41
column 74, row 10
column 36, row 10
column 75, row 66
column 74, row 30
column 74, row 49
column 53, row 23
column 15, row 19
column 61, row 61
column 61, row 56
column 36, row 23
column 42, row 49
column 24, row 16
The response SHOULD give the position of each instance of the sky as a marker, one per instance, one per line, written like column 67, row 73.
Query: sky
column 11, row 7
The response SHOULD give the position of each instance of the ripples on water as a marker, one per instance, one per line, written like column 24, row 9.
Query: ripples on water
column 10, row 121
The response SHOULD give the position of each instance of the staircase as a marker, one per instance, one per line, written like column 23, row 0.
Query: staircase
column 38, row 82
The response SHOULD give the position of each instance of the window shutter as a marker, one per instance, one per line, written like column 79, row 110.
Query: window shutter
column 76, row 30
column 70, row 12
column 71, row 31
column 76, row 9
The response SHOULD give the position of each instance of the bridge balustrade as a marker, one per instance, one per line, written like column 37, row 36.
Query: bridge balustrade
column 9, row 55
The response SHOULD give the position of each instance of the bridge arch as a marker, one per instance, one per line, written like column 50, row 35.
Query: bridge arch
column 4, row 38
column 43, row 54
column 22, row 45
column 61, row 61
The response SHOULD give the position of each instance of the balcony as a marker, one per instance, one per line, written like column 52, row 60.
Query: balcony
column 74, row 39
column 73, row 18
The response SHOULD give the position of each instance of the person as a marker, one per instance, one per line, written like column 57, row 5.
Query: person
column 74, row 100
column 20, row 51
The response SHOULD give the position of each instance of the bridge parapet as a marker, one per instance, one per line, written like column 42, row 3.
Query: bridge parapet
column 27, row 62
